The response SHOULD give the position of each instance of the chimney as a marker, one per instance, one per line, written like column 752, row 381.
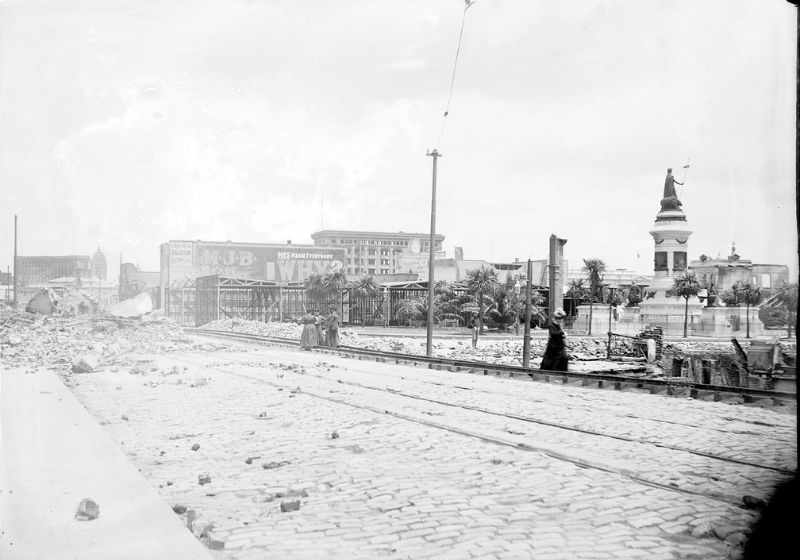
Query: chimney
column 288, row 241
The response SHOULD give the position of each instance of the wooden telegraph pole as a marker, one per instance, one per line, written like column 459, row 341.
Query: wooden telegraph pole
column 16, row 291
column 526, row 341
column 429, row 341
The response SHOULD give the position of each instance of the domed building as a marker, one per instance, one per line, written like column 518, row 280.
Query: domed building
column 99, row 267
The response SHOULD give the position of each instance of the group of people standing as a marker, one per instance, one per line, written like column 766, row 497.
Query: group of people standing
column 319, row 330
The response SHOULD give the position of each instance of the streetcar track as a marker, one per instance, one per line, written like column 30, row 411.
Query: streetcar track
column 244, row 337
column 493, row 439
column 547, row 423
column 640, row 382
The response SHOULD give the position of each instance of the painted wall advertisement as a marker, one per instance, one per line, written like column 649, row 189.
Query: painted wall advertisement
column 277, row 263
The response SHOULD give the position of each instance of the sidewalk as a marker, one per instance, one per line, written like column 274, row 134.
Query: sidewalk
column 52, row 455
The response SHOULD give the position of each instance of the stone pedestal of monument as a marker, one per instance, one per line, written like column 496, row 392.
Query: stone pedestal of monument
column 729, row 322
column 671, row 234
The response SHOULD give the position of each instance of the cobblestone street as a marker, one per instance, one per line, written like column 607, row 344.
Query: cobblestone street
column 401, row 462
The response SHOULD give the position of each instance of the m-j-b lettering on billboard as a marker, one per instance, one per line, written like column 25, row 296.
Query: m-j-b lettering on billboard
column 267, row 263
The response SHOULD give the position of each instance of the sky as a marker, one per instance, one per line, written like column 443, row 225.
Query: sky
column 125, row 124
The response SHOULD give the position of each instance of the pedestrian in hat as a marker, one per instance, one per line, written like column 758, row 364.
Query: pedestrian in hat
column 555, row 356
column 332, row 325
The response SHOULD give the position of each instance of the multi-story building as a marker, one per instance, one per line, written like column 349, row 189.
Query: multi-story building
column 34, row 271
column 133, row 281
column 724, row 273
column 376, row 253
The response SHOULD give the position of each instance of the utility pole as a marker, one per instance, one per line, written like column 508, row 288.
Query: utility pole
column 526, row 341
column 16, row 291
column 429, row 341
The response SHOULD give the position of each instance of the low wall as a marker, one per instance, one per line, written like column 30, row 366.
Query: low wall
column 712, row 322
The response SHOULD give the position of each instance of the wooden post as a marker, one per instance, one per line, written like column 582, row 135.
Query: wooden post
column 526, row 341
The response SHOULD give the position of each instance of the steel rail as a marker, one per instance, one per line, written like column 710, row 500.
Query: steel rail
column 485, row 438
column 656, row 386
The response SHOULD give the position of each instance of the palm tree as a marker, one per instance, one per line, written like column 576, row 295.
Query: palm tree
column 595, row 268
column 412, row 309
column 482, row 281
column 752, row 296
column 788, row 297
column 335, row 283
column 685, row 286
column 315, row 287
column 365, row 287
column 577, row 289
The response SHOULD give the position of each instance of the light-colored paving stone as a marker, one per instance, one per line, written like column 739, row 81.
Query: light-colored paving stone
column 391, row 486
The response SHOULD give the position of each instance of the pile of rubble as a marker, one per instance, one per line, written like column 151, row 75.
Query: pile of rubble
column 80, row 344
column 490, row 349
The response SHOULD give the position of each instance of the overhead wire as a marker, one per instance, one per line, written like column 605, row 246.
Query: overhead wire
column 467, row 5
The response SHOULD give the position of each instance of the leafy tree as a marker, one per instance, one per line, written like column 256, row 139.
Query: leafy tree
column 595, row 268
column 752, row 296
column 447, row 301
column 482, row 282
column 412, row 309
column 315, row 288
column 685, row 286
column 504, row 312
column 788, row 297
column 577, row 289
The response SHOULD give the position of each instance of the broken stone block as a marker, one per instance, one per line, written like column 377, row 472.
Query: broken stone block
column 214, row 543
column 191, row 515
column 44, row 302
column 133, row 307
column 87, row 363
column 290, row 506
column 87, row 510
column 204, row 479
column 125, row 417
column 335, row 435
column 195, row 447
column 180, row 509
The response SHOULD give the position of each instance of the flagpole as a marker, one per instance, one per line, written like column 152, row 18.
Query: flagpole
column 685, row 171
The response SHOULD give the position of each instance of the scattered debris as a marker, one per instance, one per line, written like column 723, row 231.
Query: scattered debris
column 87, row 510
column 195, row 447
column 87, row 363
column 204, row 479
column 134, row 307
column 180, row 509
column 335, row 435
column 275, row 465
column 290, row 506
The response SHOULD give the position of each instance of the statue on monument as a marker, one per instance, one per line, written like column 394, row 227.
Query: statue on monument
column 670, row 200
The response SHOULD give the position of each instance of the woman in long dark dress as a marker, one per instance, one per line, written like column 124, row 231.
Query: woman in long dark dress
column 320, row 320
column 555, row 356
column 309, row 337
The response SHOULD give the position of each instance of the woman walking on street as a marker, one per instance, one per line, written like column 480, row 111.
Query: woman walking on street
column 309, row 337
column 555, row 356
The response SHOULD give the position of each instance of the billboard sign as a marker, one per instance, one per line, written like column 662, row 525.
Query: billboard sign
column 274, row 263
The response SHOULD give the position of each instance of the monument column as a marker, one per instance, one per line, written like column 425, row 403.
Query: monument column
column 671, row 234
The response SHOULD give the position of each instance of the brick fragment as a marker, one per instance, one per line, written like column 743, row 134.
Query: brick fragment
column 290, row 506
